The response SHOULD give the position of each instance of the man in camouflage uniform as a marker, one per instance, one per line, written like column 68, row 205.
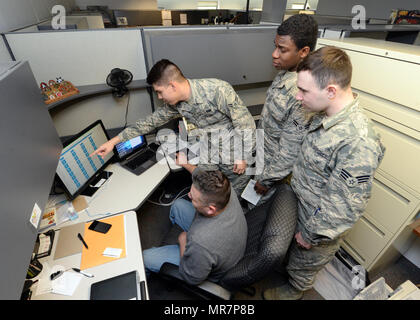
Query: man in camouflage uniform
column 332, row 177
column 282, row 118
column 210, row 105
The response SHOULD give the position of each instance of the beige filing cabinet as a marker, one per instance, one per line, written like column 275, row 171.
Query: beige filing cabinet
column 386, row 75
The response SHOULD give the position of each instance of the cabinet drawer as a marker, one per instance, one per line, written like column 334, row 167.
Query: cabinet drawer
column 389, row 205
column 401, row 159
column 380, row 76
column 399, row 117
column 366, row 240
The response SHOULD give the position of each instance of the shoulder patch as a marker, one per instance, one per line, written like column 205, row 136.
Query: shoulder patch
column 353, row 181
column 301, row 127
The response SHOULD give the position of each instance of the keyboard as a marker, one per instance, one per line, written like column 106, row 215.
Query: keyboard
column 140, row 159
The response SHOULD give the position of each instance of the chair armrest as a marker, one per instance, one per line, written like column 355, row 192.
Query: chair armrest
column 170, row 270
column 206, row 290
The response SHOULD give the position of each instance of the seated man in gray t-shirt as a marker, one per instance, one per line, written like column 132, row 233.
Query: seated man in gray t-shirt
column 215, row 231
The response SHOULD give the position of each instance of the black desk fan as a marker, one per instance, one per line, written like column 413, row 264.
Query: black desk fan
column 119, row 79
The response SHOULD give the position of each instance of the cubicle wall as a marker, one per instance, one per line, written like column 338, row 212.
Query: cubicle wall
column 4, row 53
column 82, row 57
column 239, row 55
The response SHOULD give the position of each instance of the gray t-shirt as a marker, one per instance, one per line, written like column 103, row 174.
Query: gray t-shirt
column 214, row 245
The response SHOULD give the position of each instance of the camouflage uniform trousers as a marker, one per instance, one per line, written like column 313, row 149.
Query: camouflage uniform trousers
column 303, row 264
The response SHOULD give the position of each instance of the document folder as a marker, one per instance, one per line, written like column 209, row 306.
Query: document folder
column 97, row 243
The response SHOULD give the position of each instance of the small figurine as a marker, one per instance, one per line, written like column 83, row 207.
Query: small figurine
column 57, row 90
column 46, row 91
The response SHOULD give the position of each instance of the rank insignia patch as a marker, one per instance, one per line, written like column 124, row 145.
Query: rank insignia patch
column 301, row 127
column 353, row 181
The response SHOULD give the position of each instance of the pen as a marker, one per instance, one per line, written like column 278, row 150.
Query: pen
column 84, row 273
column 83, row 241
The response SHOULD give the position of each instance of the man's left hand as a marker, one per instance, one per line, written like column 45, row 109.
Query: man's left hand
column 182, row 241
column 302, row 243
column 239, row 166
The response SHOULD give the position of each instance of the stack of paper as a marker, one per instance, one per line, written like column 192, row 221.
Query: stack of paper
column 249, row 193
column 66, row 284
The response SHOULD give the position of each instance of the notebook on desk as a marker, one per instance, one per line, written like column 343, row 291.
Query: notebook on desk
column 122, row 287
column 135, row 155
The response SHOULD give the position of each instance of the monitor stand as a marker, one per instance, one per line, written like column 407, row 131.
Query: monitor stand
column 96, row 183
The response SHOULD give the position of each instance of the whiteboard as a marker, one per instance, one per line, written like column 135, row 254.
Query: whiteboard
column 81, row 57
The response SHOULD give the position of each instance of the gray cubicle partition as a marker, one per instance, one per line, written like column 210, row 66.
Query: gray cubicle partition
column 83, row 57
column 29, row 155
column 239, row 55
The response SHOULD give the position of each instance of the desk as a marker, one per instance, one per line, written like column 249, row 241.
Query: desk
column 123, row 191
column 132, row 261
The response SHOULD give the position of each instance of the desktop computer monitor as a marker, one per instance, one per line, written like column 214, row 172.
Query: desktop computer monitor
column 76, row 170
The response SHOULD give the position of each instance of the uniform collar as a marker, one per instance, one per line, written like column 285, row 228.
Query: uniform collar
column 285, row 79
column 328, row 122
column 195, row 97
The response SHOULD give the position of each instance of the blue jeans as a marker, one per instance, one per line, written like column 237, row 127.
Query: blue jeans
column 182, row 213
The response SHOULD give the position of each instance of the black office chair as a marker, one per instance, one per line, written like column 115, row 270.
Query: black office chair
column 271, row 228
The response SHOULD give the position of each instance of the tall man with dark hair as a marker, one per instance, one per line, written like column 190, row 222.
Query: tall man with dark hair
column 215, row 231
column 332, row 177
column 210, row 105
column 283, row 119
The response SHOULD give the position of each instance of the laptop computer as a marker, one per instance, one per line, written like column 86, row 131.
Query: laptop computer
column 135, row 155
column 123, row 287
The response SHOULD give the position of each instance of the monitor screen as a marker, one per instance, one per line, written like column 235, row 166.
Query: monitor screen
column 124, row 149
column 75, row 168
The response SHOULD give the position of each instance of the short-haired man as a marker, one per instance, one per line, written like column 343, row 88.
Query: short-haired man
column 208, row 104
column 283, row 118
column 215, row 231
column 332, row 177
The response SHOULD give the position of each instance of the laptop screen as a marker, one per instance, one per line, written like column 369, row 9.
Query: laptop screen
column 124, row 149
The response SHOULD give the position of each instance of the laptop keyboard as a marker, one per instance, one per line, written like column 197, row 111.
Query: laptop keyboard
column 140, row 159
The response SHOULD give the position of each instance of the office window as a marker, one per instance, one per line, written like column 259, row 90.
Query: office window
column 298, row 6
column 295, row 4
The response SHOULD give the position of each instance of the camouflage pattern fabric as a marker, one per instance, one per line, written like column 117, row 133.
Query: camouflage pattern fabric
column 303, row 265
column 333, row 174
column 285, row 125
column 332, row 180
column 213, row 107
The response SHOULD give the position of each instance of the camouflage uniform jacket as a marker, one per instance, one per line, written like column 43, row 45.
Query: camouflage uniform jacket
column 213, row 105
column 284, row 124
column 332, row 177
